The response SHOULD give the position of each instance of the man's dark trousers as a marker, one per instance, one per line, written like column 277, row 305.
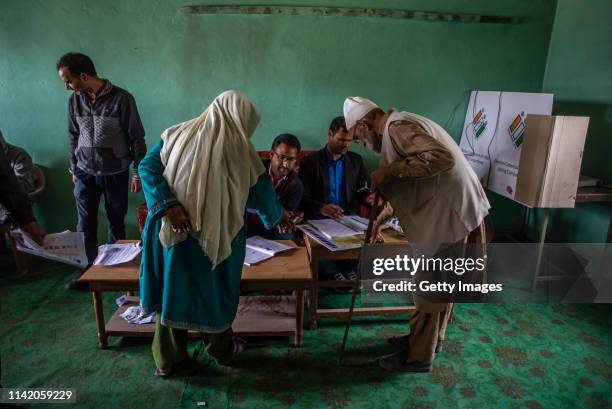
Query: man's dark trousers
column 87, row 191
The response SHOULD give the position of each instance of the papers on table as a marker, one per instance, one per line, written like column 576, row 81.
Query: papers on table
column 66, row 247
column 344, row 233
column 335, row 244
column 345, row 226
column 252, row 257
column 112, row 254
column 259, row 249
column 355, row 222
column 135, row 315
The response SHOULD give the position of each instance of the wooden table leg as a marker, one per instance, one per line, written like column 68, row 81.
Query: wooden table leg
column 99, row 313
column 299, row 318
column 541, row 245
column 313, row 300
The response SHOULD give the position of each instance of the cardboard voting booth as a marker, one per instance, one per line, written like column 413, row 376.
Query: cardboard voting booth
column 520, row 151
column 549, row 166
column 494, row 132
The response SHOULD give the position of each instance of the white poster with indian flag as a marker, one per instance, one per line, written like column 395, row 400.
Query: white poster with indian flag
column 493, row 133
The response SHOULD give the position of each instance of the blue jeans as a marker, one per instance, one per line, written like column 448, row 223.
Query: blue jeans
column 87, row 191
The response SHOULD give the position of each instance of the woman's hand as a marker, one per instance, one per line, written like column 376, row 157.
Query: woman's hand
column 179, row 219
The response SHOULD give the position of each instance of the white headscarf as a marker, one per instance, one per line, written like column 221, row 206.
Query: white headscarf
column 210, row 166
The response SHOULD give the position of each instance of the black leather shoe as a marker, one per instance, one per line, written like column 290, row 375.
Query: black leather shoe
column 401, row 341
column 398, row 363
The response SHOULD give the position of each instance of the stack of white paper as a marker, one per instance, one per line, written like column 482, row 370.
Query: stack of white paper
column 355, row 222
column 112, row 254
column 335, row 244
column 345, row 226
column 259, row 249
column 331, row 228
column 66, row 247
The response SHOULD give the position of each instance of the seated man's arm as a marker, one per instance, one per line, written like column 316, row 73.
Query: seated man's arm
column 12, row 195
column 309, row 204
column 23, row 168
column 17, row 201
column 295, row 194
column 424, row 156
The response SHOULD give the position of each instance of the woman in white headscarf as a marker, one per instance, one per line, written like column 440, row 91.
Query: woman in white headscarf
column 198, row 181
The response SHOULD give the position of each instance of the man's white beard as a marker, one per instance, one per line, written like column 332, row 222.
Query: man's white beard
column 372, row 142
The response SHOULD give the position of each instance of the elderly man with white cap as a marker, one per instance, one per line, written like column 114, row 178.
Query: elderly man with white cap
column 436, row 197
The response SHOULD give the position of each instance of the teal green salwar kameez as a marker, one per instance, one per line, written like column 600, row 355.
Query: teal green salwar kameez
column 179, row 282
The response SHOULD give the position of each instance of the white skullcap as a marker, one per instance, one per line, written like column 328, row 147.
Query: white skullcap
column 355, row 108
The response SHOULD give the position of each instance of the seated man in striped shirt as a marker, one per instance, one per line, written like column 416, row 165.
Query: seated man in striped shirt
column 281, row 167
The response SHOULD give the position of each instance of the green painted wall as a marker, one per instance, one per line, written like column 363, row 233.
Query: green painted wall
column 579, row 73
column 297, row 70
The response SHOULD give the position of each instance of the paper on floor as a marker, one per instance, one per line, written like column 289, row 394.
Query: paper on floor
column 135, row 315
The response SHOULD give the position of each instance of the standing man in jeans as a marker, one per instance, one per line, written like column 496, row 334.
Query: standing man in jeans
column 106, row 136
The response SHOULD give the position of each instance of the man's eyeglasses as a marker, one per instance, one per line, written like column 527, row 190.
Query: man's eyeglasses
column 287, row 159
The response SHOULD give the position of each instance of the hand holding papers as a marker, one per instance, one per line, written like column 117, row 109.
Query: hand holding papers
column 112, row 254
column 259, row 249
column 66, row 247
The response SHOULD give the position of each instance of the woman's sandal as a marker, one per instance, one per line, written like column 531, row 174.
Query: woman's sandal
column 162, row 373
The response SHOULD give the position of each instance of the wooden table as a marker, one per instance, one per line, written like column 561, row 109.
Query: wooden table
column 318, row 253
column 257, row 315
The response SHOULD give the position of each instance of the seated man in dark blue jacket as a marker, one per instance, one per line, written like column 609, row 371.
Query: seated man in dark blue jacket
column 281, row 170
column 334, row 180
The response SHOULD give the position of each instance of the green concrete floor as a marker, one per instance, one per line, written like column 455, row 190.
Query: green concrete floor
column 506, row 356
